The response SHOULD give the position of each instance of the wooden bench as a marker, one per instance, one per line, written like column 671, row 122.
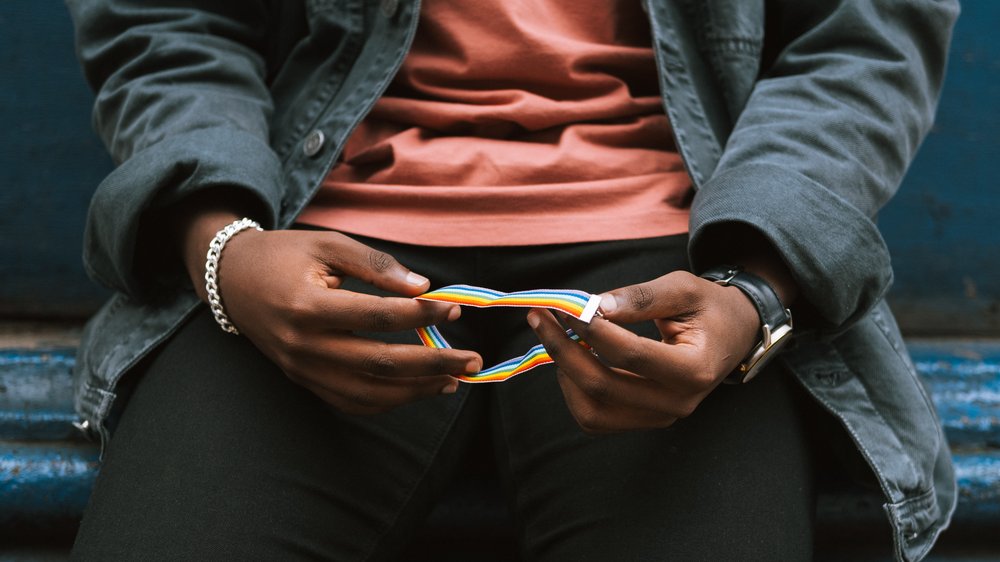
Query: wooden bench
column 46, row 469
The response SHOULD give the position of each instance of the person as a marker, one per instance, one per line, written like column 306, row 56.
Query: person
column 710, row 169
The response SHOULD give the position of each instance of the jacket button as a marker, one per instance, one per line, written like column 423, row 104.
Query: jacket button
column 389, row 7
column 314, row 143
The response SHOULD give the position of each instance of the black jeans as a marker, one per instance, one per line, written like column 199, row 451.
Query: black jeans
column 218, row 456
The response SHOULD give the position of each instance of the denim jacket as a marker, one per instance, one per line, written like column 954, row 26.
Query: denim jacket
column 795, row 117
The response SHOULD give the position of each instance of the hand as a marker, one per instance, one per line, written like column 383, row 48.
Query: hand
column 282, row 291
column 639, row 383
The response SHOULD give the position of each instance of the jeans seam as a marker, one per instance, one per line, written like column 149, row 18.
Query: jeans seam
column 439, row 441
column 516, row 515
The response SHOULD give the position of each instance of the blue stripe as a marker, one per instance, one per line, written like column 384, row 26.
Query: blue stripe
column 471, row 291
column 435, row 335
column 515, row 362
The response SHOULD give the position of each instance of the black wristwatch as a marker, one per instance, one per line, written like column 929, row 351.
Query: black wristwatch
column 775, row 319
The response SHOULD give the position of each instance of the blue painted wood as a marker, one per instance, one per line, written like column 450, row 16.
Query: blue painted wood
column 50, row 163
column 940, row 227
column 978, row 489
column 44, row 482
column 45, row 473
column 963, row 378
column 36, row 395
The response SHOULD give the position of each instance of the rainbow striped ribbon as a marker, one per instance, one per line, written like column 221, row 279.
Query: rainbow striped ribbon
column 575, row 303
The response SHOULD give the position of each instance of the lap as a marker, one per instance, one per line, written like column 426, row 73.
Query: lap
column 218, row 455
column 732, row 481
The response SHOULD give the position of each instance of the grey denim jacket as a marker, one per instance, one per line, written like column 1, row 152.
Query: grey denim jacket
column 797, row 118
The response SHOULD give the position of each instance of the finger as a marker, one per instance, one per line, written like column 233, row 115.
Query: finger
column 677, row 366
column 677, row 293
column 563, row 350
column 357, row 354
column 365, row 395
column 346, row 310
column 596, row 380
column 347, row 256
column 597, row 417
column 620, row 387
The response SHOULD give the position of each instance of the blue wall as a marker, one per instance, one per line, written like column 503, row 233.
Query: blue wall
column 941, row 227
column 50, row 163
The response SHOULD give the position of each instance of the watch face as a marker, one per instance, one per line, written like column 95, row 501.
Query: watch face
column 762, row 355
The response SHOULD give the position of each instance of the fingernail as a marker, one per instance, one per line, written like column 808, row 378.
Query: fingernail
column 533, row 320
column 416, row 279
column 473, row 366
column 608, row 303
column 453, row 313
column 451, row 388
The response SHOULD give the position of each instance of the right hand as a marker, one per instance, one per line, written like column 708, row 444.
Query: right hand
column 281, row 289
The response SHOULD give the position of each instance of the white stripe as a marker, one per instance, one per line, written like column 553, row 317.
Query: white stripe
column 590, row 309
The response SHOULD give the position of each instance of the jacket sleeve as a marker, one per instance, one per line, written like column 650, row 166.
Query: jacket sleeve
column 182, row 106
column 841, row 105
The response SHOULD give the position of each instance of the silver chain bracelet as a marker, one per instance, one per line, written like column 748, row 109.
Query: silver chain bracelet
column 212, row 270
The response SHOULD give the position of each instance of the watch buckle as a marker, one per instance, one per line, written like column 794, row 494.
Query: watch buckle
column 766, row 338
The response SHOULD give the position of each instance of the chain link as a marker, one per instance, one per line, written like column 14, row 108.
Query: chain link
column 212, row 270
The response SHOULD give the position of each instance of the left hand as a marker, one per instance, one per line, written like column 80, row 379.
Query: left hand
column 640, row 383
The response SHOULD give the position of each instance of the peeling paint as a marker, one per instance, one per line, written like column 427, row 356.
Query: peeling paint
column 52, row 476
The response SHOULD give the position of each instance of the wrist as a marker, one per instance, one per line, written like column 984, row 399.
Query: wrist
column 744, row 246
column 770, row 268
column 195, row 234
column 212, row 258
column 193, row 221
column 774, row 318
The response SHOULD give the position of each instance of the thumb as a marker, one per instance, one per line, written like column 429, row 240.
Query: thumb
column 348, row 256
column 674, row 294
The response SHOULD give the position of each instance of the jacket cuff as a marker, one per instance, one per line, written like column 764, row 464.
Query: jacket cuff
column 834, row 252
column 162, row 174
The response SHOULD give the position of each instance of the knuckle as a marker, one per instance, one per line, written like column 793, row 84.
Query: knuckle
column 380, row 261
column 589, row 420
column 597, row 388
column 686, row 285
column 703, row 378
column 556, row 349
column 293, row 374
column 685, row 408
column 363, row 399
column 298, row 307
column 633, row 357
column 584, row 329
column 639, row 297
column 662, row 421
column 379, row 362
column 329, row 248
column 440, row 361
column 289, row 340
column 379, row 319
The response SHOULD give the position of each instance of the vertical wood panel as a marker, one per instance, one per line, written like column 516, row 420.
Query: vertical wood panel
column 941, row 228
column 50, row 163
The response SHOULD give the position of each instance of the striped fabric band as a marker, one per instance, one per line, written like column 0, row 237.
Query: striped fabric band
column 575, row 303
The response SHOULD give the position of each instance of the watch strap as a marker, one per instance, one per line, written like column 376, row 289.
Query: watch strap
column 776, row 320
column 765, row 300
